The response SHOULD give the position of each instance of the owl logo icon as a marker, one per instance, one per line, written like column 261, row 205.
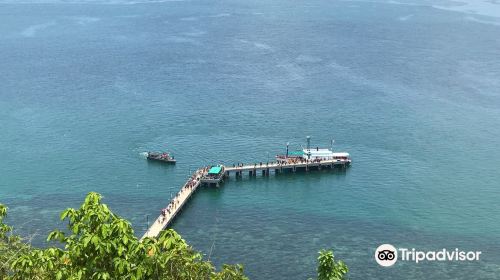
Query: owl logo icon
column 386, row 255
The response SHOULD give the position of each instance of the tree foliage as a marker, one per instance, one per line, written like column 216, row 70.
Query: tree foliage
column 11, row 246
column 100, row 245
column 328, row 269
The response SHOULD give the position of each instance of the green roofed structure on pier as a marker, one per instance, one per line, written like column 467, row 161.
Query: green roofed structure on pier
column 214, row 175
column 296, row 154
column 215, row 170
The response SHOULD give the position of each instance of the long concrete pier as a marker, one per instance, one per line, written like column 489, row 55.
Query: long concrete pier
column 202, row 176
column 278, row 167
column 175, row 205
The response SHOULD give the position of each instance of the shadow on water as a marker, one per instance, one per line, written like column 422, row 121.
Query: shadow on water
column 160, row 164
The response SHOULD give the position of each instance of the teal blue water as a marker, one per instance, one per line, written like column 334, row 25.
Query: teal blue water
column 411, row 91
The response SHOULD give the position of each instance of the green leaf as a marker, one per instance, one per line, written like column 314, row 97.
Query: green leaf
column 95, row 240
column 65, row 213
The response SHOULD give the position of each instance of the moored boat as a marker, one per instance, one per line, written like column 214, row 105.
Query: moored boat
column 314, row 155
column 164, row 157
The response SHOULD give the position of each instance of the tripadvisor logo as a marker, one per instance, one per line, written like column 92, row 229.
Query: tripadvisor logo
column 387, row 255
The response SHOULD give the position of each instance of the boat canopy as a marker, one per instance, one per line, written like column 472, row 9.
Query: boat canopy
column 215, row 170
column 296, row 153
column 340, row 154
column 323, row 153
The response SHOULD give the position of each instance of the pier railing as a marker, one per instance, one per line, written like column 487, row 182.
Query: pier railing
column 175, row 205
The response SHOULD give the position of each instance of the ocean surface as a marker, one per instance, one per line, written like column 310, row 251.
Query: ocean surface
column 410, row 89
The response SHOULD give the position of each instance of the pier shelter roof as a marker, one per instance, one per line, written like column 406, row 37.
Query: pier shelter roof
column 296, row 153
column 215, row 170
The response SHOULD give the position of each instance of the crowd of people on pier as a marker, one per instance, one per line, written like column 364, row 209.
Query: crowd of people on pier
column 295, row 160
column 284, row 161
column 239, row 165
column 174, row 203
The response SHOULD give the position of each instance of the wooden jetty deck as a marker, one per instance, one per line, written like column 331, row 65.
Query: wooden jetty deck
column 200, row 177
column 277, row 167
column 175, row 205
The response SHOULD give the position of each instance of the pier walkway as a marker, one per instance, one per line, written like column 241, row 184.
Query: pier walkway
column 175, row 205
column 201, row 176
column 280, row 167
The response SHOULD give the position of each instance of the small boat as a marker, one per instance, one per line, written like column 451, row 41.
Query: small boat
column 164, row 157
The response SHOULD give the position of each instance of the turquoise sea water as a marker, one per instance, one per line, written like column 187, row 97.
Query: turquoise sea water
column 410, row 90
